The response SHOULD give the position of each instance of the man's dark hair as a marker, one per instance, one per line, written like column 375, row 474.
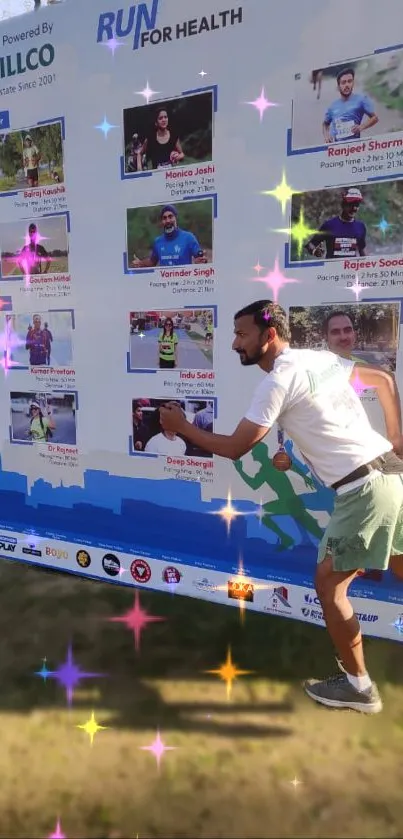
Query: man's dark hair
column 337, row 314
column 349, row 71
column 265, row 313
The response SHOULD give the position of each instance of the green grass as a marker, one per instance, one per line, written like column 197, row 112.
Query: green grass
column 230, row 772
column 8, row 184
column 59, row 265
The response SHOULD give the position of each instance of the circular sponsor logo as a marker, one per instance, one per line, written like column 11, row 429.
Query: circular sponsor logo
column 140, row 571
column 83, row 558
column 171, row 575
column 111, row 565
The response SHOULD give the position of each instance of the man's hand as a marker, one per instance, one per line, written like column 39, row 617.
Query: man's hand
column 172, row 418
column 174, row 156
column 356, row 129
column 398, row 446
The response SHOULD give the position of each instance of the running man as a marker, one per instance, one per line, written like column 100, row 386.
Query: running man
column 343, row 118
column 209, row 333
column 342, row 235
column 309, row 393
column 31, row 160
column 33, row 258
column 288, row 502
column 174, row 246
column 49, row 341
column 37, row 344
column 316, row 81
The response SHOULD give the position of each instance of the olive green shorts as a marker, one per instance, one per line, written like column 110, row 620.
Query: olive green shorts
column 366, row 526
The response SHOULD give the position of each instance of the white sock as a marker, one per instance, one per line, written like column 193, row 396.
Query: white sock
column 360, row 683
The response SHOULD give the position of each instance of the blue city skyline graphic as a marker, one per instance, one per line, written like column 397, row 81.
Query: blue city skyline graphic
column 165, row 519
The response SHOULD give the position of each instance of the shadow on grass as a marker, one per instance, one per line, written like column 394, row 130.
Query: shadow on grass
column 42, row 613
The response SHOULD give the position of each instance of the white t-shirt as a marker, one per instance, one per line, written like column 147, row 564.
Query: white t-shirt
column 162, row 445
column 308, row 393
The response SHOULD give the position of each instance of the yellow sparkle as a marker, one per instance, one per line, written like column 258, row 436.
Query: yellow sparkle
column 91, row 727
column 295, row 782
column 228, row 513
column 228, row 672
column 299, row 232
column 283, row 192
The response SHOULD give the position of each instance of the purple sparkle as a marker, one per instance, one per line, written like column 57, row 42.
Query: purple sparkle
column 69, row 675
column 112, row 44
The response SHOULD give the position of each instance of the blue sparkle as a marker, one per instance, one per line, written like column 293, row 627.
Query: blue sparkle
column 383, row 225
column 398, row 624
column 44, row 673
column 105, row 127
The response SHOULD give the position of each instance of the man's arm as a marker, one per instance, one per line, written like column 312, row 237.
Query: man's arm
column 316, row 240
column 232, row 446
column 385, row 385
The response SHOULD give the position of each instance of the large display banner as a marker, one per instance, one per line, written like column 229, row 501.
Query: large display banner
column 163, row 164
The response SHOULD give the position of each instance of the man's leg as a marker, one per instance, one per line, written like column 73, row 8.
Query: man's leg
column 338, row 613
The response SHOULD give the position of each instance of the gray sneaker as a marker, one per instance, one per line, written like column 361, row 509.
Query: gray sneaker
column 337, row 692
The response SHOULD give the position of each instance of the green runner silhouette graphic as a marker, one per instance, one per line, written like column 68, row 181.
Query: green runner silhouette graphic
column 288, row 502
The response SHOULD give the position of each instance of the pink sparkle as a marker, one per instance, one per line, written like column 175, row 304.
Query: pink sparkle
column 136, row 619
column 275, row 280
column 58, row 834
column 112, row 44
column 358, row 385
column 157, row 748
column 261, row 104
column 122, row 571
column 258, row 267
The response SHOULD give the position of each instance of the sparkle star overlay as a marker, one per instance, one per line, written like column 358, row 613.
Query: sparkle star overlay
column 398, row 624
column 358, row 385
column 147, row 93
column 383, row 226
column 228, row 513
column 68, row 675
column 112, row 44
column 262, row 104
column 228, row 672
column 137, row 619
column 299, row 231
column 58, row 833
column 158, row 749
column 282, row 192
column 275, row 280
column 91, row 727
column 105, row 127
column 357, row 288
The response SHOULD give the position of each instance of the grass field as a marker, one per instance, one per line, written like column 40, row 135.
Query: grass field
column 45, row 179
column 232, row 769
column 59, row 265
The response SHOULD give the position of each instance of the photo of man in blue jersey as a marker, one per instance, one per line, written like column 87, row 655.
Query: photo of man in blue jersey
column 344, row 117
column 343, row 235
column 174, row 246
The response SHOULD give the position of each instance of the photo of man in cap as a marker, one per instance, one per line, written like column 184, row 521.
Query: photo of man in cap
column 343, row 235
column 174, row 246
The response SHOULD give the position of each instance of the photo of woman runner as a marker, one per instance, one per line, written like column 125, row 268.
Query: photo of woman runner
column 43, row 417
column 169, row 235
column 355, row 101
column 349, row 222
column 366, row 333
column 170, row 133
column 149, row 436
column 31, row 157
column 181, row 339
column 39, row 340
column 36, row 247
